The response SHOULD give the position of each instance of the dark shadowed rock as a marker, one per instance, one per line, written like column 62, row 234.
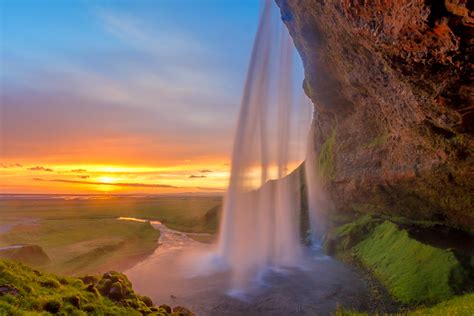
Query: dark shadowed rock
column 116, row 292
column 145, row 299
column 8, row 289
column 52, row 306
column 165, row 307
column 91, row 288
column 181, row 311
column 89, row 279
column 74, row 301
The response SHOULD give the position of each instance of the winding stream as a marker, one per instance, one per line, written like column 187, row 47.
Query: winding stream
column 183, row 272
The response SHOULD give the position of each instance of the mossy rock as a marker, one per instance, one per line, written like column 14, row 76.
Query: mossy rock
column 181, row 311
column 166, row 308
column 74, row 300
column 116, row 292
column 343, row 238
column 413, row 272
column 52, row 306
column 25, row 292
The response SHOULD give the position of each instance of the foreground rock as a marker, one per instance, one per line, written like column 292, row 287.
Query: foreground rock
column 23, row 290
column 392, row 85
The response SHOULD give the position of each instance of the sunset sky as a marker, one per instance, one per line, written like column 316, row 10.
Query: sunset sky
column 121, row 96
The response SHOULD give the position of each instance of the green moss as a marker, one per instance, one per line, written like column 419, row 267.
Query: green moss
column 326, row 161
column 340, row 240
column 458, row 306
column 377, row 141
column 413, row 272
column 33, row 293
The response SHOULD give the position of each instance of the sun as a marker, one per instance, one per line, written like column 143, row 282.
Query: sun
column 106, row 180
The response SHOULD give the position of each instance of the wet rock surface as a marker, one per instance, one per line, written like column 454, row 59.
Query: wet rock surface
column 393, row 82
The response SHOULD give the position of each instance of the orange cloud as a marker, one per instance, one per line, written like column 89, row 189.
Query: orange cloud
column 79, row 170
column 40, row 168
column 139, row 185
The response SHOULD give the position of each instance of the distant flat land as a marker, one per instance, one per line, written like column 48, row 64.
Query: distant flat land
column 81, row 234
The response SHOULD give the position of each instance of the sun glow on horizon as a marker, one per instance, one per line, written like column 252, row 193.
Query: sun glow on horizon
column 120, row 179
column 101, row 178
column 106, row 179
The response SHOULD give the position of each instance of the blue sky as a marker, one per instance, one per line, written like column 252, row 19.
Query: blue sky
column 159, row 67
column 121, row 82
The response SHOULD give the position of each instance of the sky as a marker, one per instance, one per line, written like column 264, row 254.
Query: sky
column 121, row 96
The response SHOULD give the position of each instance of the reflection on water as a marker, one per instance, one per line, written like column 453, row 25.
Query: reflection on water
column 133, row 219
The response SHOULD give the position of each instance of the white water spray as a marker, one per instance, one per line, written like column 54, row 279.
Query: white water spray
column 260, row 224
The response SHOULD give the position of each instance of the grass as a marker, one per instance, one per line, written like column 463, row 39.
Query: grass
column 181, row 213
column 413, row 272
column 84, row 236
column 33, row 293
column 72, row 244
column 326, row 161
column 458, row 306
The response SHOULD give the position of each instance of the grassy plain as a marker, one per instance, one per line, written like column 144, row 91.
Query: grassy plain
column 82, row 234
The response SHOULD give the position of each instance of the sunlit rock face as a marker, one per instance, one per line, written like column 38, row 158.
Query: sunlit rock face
column 392, row 85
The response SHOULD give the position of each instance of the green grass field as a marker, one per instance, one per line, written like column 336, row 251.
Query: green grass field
column 84, row 236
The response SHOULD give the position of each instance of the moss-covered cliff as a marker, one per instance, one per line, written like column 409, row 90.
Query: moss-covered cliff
column 391, row 82
column 24, row 291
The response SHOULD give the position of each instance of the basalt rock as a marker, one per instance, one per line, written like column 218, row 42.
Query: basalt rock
column 392, row 86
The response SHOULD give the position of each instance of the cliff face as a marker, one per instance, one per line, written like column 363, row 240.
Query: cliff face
column 392, row 86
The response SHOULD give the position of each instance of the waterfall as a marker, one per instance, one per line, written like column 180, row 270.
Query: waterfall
column 261, row 213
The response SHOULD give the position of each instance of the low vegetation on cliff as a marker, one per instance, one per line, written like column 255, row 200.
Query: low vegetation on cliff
column 24, row 291
column 412, row 271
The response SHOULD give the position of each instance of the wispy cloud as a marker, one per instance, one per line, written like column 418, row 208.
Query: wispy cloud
column 78, row 170
column 40, row 168
column 123, row 184
column 10, row 165
column 196, row 177
column 205, row 171
column 147, row 38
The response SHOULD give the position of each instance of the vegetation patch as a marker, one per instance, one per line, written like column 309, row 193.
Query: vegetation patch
column 24, row 291
column 342, row 239
column 457, row 306
column 326, row 161
column 77, row 246
column 376, row 142
column 413, row 272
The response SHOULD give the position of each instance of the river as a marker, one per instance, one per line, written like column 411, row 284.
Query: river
column 181, row 272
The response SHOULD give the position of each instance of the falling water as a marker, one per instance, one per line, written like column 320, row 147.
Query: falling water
column 260, row 225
